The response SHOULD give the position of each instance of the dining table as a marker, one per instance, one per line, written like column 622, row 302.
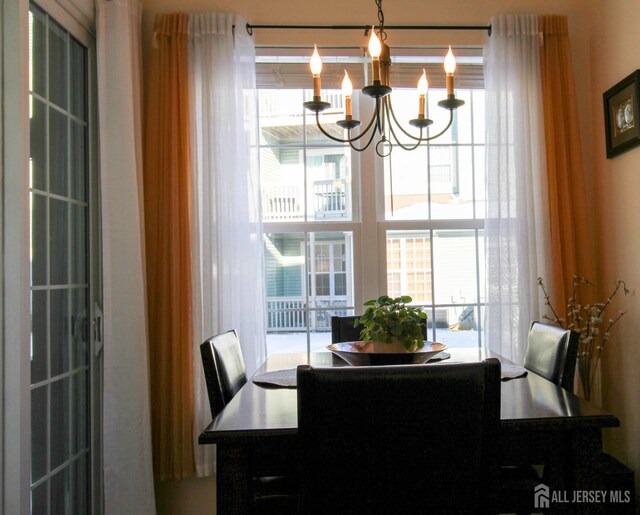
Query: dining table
column 540, row 422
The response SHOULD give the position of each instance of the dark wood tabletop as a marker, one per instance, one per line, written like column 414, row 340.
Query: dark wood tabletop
column 527, row 403
column 540, row 423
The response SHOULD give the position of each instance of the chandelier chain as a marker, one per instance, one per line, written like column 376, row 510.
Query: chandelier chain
column 381, row 33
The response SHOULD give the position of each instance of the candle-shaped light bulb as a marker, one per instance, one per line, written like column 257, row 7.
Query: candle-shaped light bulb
column 449, row 62
column 347, row 91
column 316, row 67
column 449, row 67
column 374, row 44
column 423, row 86
column 375, row 48
column 316, row 63
column 347, row 87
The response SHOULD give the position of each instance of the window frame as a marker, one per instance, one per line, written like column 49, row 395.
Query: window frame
column 15, row 260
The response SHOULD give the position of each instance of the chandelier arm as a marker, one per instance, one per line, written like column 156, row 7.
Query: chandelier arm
column 393, row 116
column 339, row 140
column 362, row 149
column 408, row 148
column 363, row 132
column 395, row 137
column 322, row 129
column 443, row 130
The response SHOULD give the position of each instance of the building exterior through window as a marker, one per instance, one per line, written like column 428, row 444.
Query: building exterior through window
column 342, row 226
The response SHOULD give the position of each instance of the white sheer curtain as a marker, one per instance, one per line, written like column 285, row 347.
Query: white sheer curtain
column 127, row 460
column 516, row 231
column 228, row 250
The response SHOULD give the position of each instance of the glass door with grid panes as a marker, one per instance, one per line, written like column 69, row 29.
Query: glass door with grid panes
column 61, row 289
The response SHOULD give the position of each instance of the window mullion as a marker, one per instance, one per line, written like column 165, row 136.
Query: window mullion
column 373, row 255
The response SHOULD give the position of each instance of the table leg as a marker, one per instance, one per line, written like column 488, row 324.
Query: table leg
column 586, row 448
column 571, row 465
column 233, row 484
column 581, row 473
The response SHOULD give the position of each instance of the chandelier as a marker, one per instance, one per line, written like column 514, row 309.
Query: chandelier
column 384, row 121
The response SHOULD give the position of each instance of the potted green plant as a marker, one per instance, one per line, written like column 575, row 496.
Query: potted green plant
column 391, row 325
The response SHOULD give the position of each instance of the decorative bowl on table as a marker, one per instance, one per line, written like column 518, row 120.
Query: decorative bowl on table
column 361, row 354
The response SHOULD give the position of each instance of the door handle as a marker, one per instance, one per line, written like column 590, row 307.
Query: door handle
column 97, row 329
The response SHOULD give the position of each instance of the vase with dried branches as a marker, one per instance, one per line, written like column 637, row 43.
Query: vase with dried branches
column 591, row 323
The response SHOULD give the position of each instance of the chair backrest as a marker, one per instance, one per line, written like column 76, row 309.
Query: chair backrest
column 398, row 439
column 552, row 353
column 343, row 330
column 224, row 369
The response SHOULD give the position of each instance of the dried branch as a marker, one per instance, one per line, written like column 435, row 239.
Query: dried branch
column 588, row 320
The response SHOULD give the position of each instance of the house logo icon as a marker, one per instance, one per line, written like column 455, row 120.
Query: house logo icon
column 541, row 496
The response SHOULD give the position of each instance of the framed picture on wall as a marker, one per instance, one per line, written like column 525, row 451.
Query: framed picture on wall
column 621, row 115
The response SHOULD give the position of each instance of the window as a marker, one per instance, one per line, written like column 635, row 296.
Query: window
column 342, row 227
column 308, row 280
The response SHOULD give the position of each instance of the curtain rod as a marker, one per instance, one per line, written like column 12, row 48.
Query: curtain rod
column 366, row 28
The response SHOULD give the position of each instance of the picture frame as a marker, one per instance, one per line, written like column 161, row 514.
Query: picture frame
column 622, row 115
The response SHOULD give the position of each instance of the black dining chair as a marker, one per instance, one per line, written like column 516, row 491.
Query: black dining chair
column 224, row 369
column 398, row 439
column 274, row 491
column 343, row 329
column 552, row 353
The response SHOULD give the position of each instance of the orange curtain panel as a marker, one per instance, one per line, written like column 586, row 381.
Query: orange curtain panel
column 168, row 243
column 572, row 246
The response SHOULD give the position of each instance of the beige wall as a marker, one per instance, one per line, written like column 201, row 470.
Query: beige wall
column 191, row 496
column 614, row 47
column 604, row 52
column 360, row 12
